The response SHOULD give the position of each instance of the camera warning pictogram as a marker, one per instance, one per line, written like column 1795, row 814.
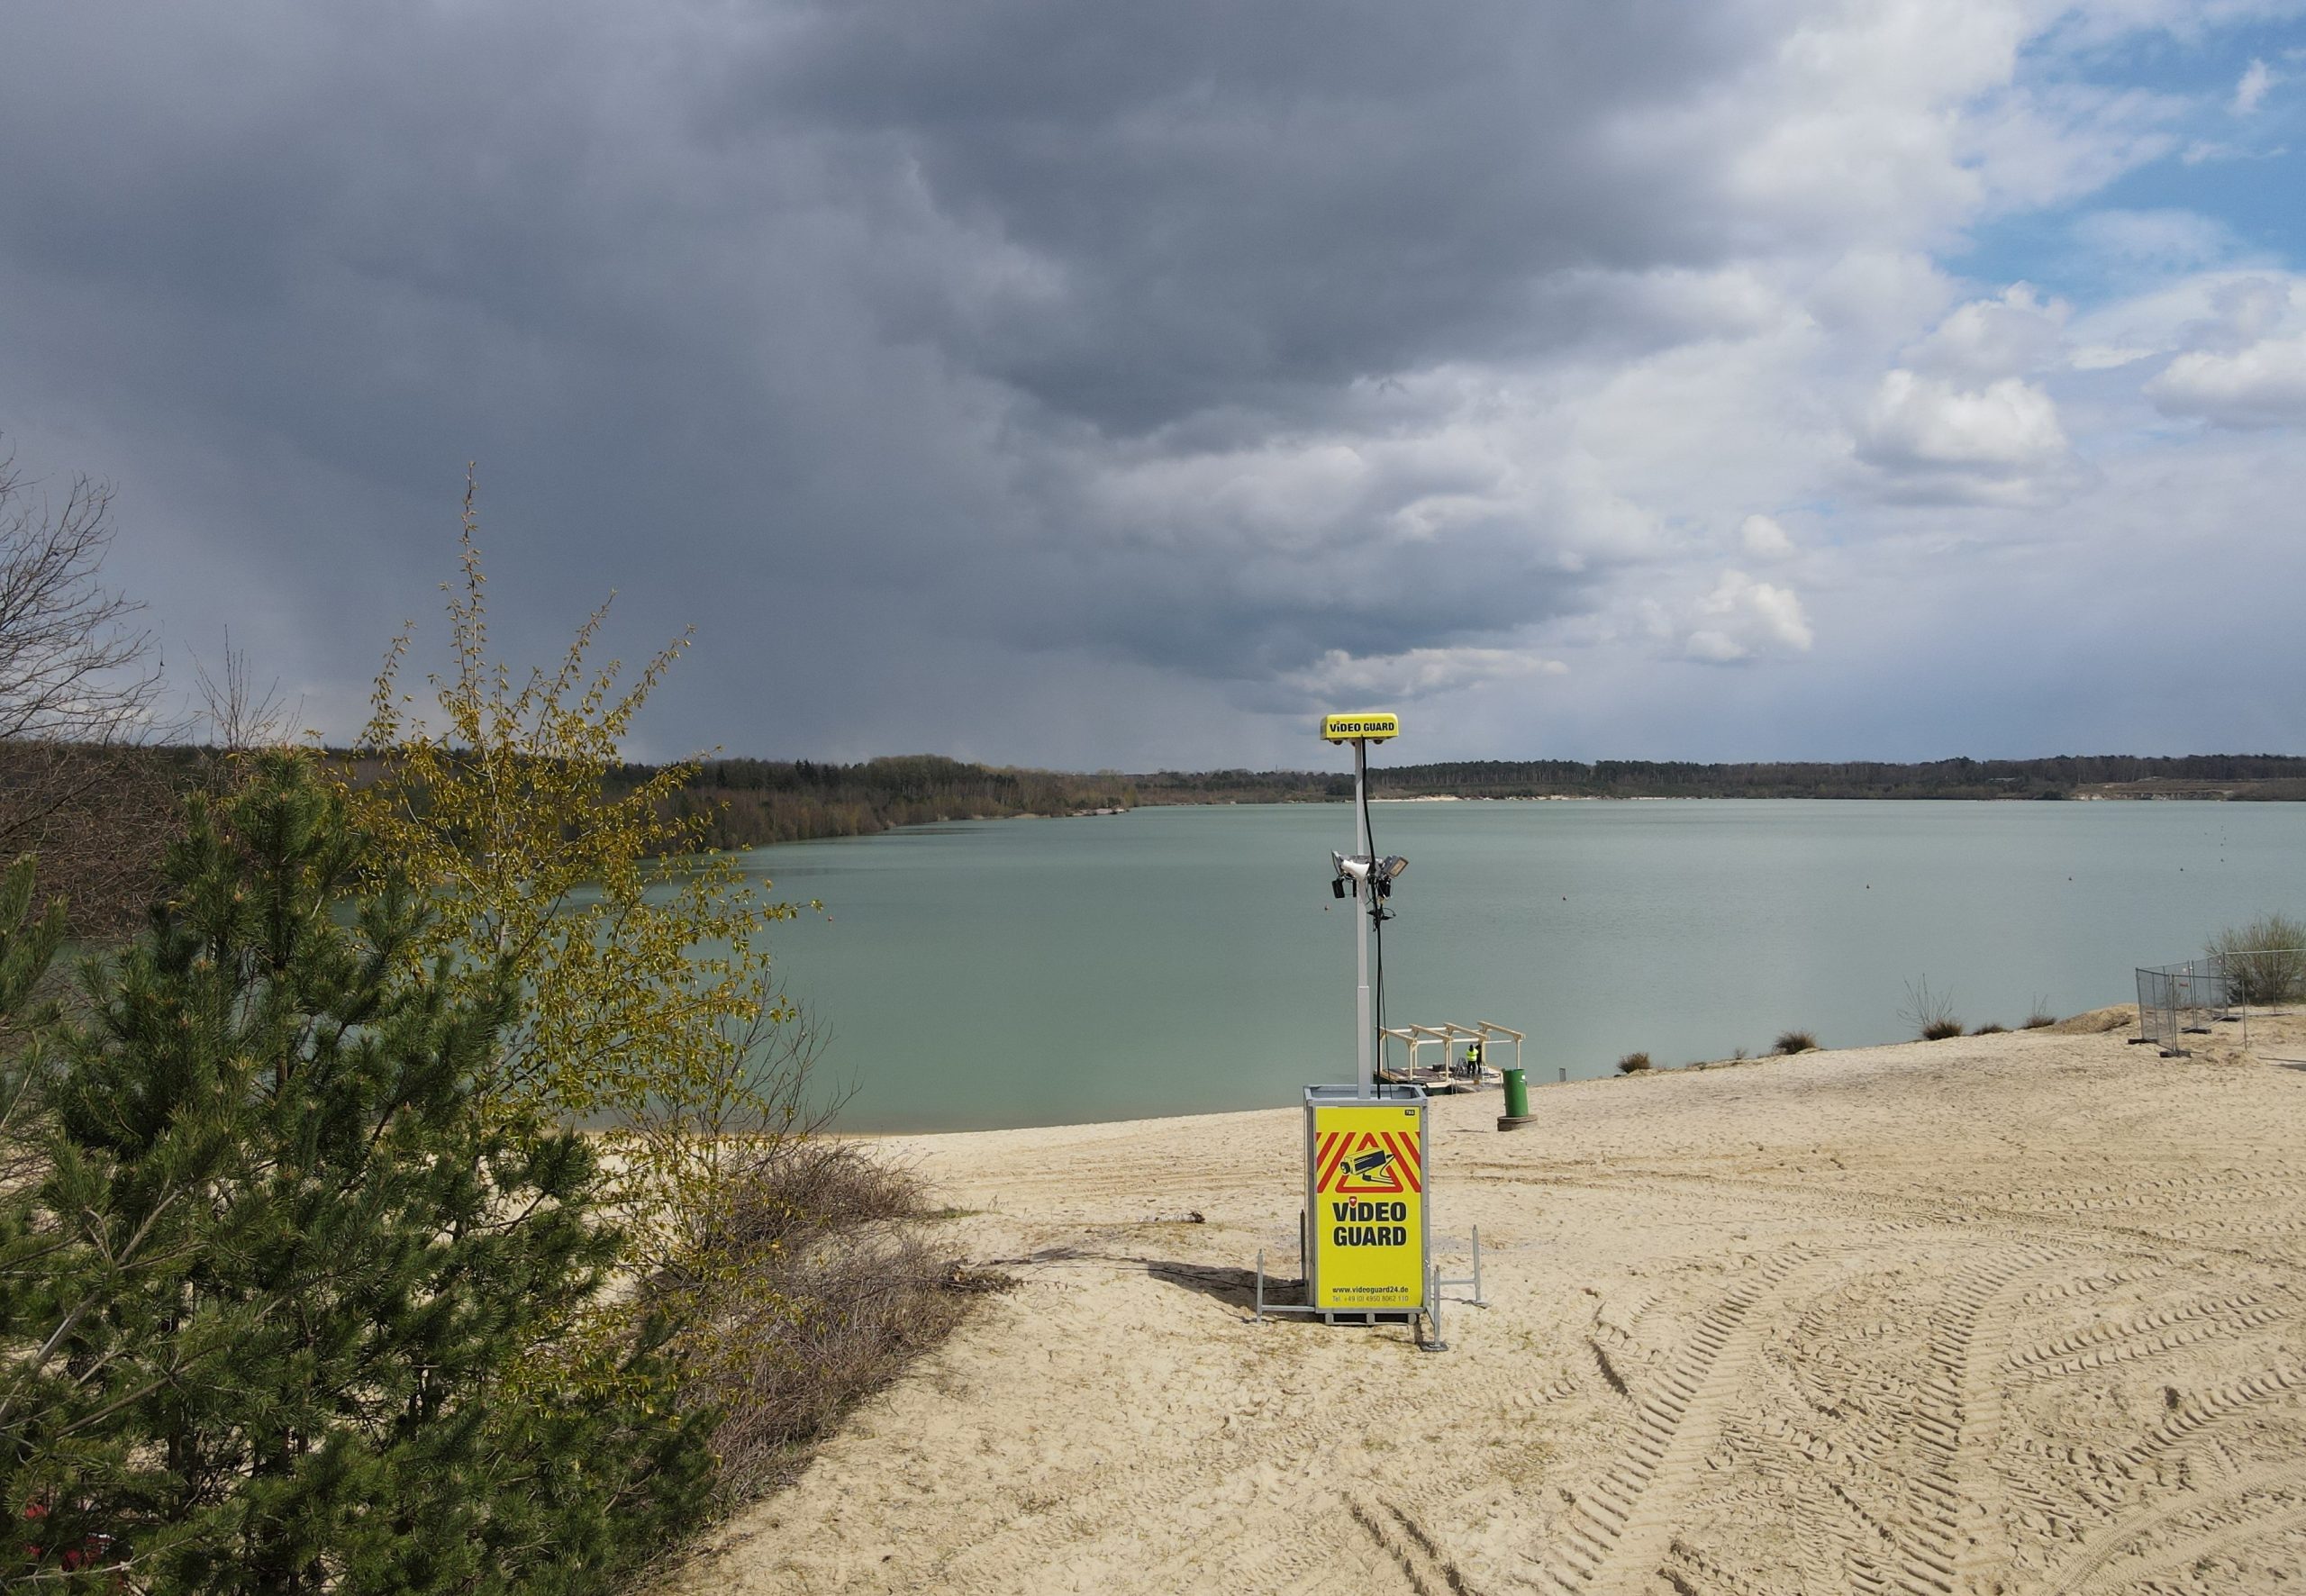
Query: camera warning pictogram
column 1368, row 1164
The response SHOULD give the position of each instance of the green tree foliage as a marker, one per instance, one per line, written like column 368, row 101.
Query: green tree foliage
column 28, row 944
column 651, row 1011
column 281, row 1314
column 650, row 1008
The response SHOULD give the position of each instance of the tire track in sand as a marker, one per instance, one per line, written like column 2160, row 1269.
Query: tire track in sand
column 2100, row 1549
column 1621, row 1528
column 2195, row 1416
column 1931, row 1210
column 2188, row 1553
column 1403, row 1538
column 1954, row 1538
column 2146, row 1334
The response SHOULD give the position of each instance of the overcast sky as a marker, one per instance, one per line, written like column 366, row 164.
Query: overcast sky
column 1091, row 385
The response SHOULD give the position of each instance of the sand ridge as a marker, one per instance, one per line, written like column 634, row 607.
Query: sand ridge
column 2017, row 1313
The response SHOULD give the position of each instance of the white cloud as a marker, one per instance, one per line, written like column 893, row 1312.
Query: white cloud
column 1741, row 618
column 2224, row 310
column 2263, row 385
column 2104, row 356
column 2208, row 150
column 2039, row 147
column 2171, row 239
column 1762, row 538
column 1416, row 673
column 2239, row 358
column 2002, row 443
column 2244, row 311
column 2233, row 346
column 2251, row 91
column 1987, row 339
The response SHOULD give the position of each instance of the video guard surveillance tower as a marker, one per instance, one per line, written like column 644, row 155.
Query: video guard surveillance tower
column 1367, row 880
column 1366, row 1233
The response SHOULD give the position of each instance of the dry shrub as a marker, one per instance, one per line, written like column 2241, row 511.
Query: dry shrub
column 1931, row 1013
column 823, row 1291
column 1633, row 1064
column 1795, row 1041
column 1989, row 1029
column 2264, row 962
column 805, row 1187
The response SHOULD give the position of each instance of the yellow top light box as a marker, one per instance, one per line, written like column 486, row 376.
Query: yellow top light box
column 1363, row 727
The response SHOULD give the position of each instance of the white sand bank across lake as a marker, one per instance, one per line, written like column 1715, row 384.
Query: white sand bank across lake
column 2016, row 1313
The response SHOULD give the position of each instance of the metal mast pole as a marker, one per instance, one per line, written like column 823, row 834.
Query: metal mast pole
column 1364, row 1018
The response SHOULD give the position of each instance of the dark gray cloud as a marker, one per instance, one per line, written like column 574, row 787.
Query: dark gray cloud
column 1053, row 368
column 1217, row 205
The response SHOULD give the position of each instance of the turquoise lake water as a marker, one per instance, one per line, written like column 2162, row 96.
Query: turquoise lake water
column 1190, row 960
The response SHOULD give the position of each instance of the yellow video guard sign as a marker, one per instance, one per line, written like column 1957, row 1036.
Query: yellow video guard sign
column 1364, row 728
column 1368, row 1218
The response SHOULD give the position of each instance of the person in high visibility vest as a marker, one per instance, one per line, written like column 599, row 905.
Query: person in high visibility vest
column 1473, row 1059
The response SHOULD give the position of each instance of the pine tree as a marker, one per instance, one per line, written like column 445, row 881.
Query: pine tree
column 283, row 1318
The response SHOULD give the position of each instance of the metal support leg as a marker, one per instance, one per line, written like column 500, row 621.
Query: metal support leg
column 1440, row 1282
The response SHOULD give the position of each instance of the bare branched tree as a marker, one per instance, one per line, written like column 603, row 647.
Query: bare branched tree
column 75, row 666
column 79, row 681
column 240, row 715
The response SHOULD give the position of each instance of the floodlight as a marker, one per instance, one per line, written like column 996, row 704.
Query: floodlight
column 1361, row 870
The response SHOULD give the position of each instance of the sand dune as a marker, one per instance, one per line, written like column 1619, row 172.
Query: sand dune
column 2019, row 1313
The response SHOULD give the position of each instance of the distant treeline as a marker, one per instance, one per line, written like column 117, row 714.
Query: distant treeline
column 116, row 804
column 2202, row 776
column 754, row 802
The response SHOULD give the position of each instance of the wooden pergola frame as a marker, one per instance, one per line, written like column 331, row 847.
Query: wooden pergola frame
column 1447, row 1036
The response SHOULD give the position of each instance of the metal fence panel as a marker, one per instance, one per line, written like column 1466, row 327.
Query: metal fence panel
column 2176, row 1000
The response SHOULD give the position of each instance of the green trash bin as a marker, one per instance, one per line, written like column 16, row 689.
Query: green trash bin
column 1517, row 1101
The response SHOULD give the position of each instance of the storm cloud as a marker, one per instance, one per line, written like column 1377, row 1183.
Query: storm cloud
column 1119, row 385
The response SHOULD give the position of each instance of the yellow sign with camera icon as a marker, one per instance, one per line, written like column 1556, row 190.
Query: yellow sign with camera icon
column 1368, row 1192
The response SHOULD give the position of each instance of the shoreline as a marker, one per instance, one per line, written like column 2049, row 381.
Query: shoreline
column 2078, row 796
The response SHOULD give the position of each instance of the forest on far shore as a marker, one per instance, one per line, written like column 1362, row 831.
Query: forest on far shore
column 755, row 801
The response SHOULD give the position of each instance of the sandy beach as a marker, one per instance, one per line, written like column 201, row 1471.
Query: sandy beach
column 2013, row 1313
